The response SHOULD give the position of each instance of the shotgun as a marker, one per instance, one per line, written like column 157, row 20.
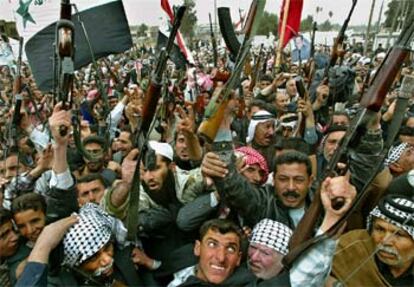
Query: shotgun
column 371, row 102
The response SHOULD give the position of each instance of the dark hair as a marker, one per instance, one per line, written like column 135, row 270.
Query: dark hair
column 294, row 143
column 336, row 128
column 294, row 156
column 223, row 226
column 28, row 201
column 266, row 77
column 5, row 216
column 91, row 177
column 94, row 139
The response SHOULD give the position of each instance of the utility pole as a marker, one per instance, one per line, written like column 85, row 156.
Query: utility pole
column 367, row 38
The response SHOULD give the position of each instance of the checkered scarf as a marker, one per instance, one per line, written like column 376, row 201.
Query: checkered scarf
column 272, row 234
column 88, row 236
column 397, row 210
column 251, row 157
column 395, row 153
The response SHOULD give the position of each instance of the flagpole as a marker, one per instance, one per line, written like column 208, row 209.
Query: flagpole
column 282, row 35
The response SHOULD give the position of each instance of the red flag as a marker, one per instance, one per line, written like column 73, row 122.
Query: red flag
column 293, row 20
column 167, row 8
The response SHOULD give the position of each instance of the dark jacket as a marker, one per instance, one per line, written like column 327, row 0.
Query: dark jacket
column 251, row 202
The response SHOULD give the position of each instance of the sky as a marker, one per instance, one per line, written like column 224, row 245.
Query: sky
column 149, row 11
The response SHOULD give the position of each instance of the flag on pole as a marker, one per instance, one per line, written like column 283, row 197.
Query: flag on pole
column 105, row 22
column 164, row 34
column 293, row 20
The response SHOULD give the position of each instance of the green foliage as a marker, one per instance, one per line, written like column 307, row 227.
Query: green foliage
column 325, row 26
column 189, row 21
column 395, row 11
column 306, row 24
column 142, row 30
column 268, row 24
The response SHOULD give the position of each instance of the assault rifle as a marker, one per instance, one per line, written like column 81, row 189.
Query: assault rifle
column 371, row 102
column 65, row 54
column 338, row 42
column 213, row 41
column 151, row 99
column 15, row 122
column 216, row 108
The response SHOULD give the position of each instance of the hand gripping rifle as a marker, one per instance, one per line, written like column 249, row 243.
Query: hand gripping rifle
column 65, row 54
column 338, row 41
column 371, row 102
column 216, row 108
column 213, row 41
column 152, row 96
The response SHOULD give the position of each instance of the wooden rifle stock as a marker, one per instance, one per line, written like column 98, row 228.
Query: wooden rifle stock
column 215, row 110
column 382, row 81
column 152, row 96
column 153, row 92
column 372, row 101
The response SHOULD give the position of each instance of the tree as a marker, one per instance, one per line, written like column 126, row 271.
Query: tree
column 306, row 24
column 325, row 26
column 397, row 9
column 142, row 30
column 189, row 21
column 268, row 24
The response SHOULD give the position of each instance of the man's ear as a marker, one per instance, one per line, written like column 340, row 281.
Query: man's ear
column 172, row 166
column 197, row 248
column 240, row 257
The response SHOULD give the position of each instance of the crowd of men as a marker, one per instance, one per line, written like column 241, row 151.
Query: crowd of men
column 209, row 214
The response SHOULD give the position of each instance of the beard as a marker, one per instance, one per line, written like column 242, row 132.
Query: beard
column 166, row 194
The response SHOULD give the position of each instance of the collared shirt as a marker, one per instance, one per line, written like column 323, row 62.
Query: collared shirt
column 181, row 276
column 62, row 180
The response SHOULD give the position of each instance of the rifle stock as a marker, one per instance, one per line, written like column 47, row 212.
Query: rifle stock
column 152, row 96
column 371, row 101
column 216, row 108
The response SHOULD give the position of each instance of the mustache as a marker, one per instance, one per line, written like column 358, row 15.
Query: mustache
column 102, row 270
column 389, row 250
column 291, row 193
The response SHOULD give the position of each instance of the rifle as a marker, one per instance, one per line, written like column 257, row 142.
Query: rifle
column 15, row 122
column 216, row 108
column 338, row 41
column 65, row 53
column 151, row 98
column 371, row 103
column 213, row 41
column 256, row 69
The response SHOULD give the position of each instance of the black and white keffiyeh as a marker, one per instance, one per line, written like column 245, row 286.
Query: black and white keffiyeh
column 272, row 234
column 88, row 236
column 397, row 210
column 395, row 153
